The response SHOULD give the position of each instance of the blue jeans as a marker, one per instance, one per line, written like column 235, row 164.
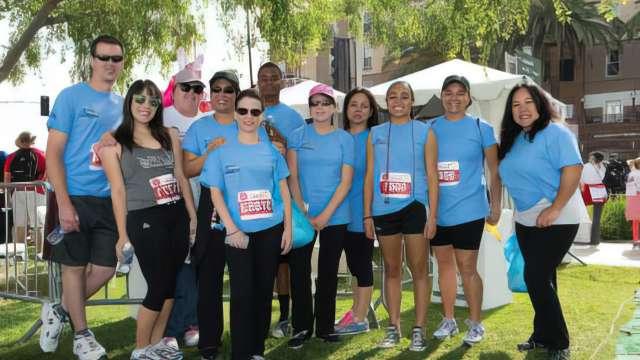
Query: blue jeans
column 184, row 312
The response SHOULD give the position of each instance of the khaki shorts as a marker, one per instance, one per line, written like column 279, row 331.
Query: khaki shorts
column 25, row 204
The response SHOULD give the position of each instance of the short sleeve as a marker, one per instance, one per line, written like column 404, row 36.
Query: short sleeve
column 211, row 175
column 562, row 147
column 295, row 141
column 488, row 136
column 7, row 162
column 62, row 114
column 190, row 140
column 348, row 149
column 282, row 170
column 262, row 134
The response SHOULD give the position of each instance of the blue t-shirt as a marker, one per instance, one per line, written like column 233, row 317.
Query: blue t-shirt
column 461, row 145
column 320, row 161
column 356, row 194
column 531, row 170
column 283, row 118
column 406, row 182
column 85, row 114
column 207, row 128
column 247, row 176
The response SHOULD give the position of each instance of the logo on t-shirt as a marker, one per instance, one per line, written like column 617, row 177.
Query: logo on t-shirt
column 448, row 173
column 395, row 185
column 255, row 204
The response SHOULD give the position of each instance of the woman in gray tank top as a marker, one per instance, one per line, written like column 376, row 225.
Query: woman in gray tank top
column 153, row 208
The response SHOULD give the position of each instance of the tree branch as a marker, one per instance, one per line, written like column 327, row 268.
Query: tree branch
column 16, row 50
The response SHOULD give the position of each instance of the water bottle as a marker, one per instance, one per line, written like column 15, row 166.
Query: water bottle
column 56, row 235
column 127, row 253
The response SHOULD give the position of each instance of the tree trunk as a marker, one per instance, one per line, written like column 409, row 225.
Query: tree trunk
column 15, row 51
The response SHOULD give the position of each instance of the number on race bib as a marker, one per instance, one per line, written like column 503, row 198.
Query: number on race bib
column 395, row 185
column 448, row 173
column 165, row 189
column 255, row 204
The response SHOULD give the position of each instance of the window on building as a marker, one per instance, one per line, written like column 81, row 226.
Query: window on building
column 613, row 111
column 566, row 69
column 366, row 23
column 613, row 63
column 367, row 54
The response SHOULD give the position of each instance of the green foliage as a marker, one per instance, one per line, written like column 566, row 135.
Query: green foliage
column 613, row 225
column 151, row 30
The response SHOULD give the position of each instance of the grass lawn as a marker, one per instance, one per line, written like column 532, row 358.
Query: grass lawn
column 591, row 297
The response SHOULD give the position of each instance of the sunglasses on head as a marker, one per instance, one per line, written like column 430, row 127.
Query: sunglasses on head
column 154, row 101
column 244, row 111
column 226, row 90
column 112, row 58
column 198, row 89
column 318, row 103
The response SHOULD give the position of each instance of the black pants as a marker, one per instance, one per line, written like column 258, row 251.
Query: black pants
column 595, row 224
column 160, row 237
column 252, row 272
column 359, row 251
column 543, row 249
column 209, row 258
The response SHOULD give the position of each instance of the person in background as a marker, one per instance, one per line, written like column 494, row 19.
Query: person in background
column 285, row 120
column 594, row 190
column 186, row 95
column 360, row 115
column 540, row 165
column 152, row 206
column 632, row 208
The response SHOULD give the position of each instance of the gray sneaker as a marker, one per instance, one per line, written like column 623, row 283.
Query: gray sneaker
column 447, row 327
column 167, row 348
column 474, row 334
column 281, row 329
column 418, row 342
column 391, row 338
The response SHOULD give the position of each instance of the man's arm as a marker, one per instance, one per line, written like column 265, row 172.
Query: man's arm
column 57, row 176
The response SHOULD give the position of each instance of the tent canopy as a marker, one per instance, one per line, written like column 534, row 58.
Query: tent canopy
column 297, row 97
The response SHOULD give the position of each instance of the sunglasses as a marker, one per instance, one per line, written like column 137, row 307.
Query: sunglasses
column 112, row 58
column 154, row 101
column 226, row 90
column 198, row 89
column 244, row 111
column 318, row 103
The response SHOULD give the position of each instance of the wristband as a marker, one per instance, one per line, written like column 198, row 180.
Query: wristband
column 231, row 233
column 367, row 217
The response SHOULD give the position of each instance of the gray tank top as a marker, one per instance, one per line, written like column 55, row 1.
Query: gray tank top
column 148, row 177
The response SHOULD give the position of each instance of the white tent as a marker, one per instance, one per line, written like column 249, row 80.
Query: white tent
column 489, row 87
column 297, row 97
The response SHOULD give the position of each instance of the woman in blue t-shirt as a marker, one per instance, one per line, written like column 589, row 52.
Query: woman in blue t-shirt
column 464, row 142
column 247, row 177
column 360, row 114
column 401, row 161
column 541, row 167
column 320, row 159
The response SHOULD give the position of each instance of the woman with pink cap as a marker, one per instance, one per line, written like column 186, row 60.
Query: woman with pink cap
column 320, row 159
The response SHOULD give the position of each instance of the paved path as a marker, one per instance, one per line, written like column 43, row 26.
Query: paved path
column 614, row 254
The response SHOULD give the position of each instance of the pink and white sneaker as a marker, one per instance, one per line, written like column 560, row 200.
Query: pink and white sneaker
column 345, row 320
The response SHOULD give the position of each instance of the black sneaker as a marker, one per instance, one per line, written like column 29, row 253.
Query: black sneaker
column 530, row 345
column 563, row 354
column 331, row 338
column 298, row 340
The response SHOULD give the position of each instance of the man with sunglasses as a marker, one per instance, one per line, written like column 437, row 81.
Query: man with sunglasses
column 184, row 317
column 81, row 114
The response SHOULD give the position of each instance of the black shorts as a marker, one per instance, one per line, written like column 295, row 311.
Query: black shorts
column 408, row 220
column 95, row 243
column 283, row 259
column 465, row 236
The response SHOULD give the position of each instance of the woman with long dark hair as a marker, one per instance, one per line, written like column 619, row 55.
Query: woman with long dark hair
column 152, row 205
column 400, row 182
column 541, row 166
column 247, row 176
column 360, row 113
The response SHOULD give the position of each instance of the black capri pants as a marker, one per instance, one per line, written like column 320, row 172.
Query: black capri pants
column 160, row 237
column 359, row 251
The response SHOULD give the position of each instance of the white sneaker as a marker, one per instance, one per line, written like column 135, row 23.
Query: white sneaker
column 142, row 354
column 87, row 348
column 167, row 349
column 52, row 325
column 191, row 336
column 281, row 329
column 447, row 327
column 475, row 333
column 257, row 357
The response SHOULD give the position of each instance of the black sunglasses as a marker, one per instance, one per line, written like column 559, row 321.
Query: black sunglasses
column 112, row 58
column 318, row 103
column 244, row 111
column 154, row 101
column 226, row 90
column 198, row 89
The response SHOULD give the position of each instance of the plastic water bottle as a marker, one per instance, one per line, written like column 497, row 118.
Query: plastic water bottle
column 56, row 235
column 127, row 253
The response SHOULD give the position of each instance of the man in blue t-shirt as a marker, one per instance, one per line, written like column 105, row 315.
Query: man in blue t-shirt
column 81, row 114
column 285, row 120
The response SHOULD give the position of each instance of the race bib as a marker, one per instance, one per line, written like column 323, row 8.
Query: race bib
column 94, row 160
column 165, row 189
column 448, row 173
column 395, row 185
column 255, row 204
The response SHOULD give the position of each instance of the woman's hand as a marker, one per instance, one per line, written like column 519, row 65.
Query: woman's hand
column 237, row 239
column 369, row 228
column 319, row 222
column 193, row 225
column 119, row 246
column 494, row 215
column 286, row 242
column 430, row 228
column 547, row 217
column 215, row 143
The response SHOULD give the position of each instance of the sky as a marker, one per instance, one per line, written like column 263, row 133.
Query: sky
column 54, row 76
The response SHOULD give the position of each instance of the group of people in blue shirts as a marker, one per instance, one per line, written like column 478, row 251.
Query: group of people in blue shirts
column 418, row 188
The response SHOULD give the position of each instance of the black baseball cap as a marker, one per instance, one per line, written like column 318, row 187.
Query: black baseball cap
column 228, row 75
column 456, row 79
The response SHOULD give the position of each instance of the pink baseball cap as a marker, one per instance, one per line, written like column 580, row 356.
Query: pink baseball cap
column 323, row 89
